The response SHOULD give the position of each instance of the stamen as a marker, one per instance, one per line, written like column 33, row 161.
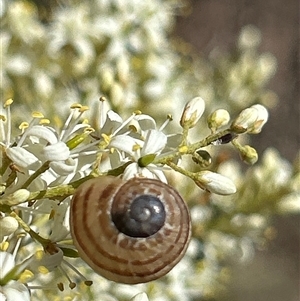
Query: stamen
column 68, row 121
column 71, row 283
column 16, row 249
column 124, row 124
column 102, row 117
column 2, row 130
column 34, row 287
column 167, row 121
column 34, row 121
column 7, row 105
column 75, row 270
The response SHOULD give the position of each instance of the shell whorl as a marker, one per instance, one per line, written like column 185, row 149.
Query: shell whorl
column 127, row 242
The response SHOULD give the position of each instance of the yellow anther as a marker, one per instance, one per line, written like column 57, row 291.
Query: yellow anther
column 136, row 147
column 24, row 125
column 4, row 245
column 26, row 276
column 44, row 121
column 39, row 254
column 170, row 117
column 84, row 108
column 8, row 102
column 36, row 114
column 43, row 270
column 75, row 106
column 106, row 138
column 183, row 149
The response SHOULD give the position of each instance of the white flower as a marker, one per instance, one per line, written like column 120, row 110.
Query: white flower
column 137, row 150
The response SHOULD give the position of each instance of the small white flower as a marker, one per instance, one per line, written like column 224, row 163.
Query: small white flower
column 155, row 142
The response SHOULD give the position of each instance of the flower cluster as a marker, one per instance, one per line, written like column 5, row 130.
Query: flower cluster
column 42, row 166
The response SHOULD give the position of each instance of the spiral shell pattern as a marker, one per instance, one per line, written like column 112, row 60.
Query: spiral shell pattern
column 122, row 257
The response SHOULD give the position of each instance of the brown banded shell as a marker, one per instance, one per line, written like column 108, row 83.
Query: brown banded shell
column 131, row 249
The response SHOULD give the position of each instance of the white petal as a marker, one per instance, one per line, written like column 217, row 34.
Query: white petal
column 15, row 291
column 63, row 168
column 154, row 143
column 50, row 261
column 132, row 170
column 23, row 158
column 262, row 118
column 42, row 132
column 125, row 143
column 7, row 262
column 157, row 173
column 140, row 297
column 146, row 122
column 112, row 122
column 56, row 152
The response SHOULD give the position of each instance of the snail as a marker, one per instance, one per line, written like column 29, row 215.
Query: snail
column 130, row 231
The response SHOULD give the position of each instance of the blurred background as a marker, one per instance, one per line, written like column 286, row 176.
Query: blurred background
column 274, row 273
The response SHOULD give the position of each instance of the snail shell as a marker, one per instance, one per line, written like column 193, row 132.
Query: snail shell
column 129, row 231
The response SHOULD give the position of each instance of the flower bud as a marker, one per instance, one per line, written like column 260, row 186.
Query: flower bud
column 192, row 112
column 262, row 118
column 245, row 120
column 215, row 183
column 8, row 225
column 289, row 204
column 18, row 197
column 249, row 154
column 218, row 119
column 202, row 158
column 250, row 120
